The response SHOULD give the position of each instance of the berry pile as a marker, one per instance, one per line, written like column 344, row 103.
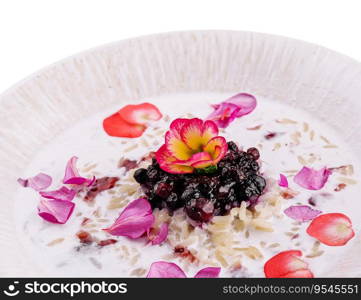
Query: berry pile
column 203, row 196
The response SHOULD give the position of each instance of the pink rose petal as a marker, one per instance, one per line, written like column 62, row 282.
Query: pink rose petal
column 38, row 182
column 312, row 179
column 72, row 175
column 235, row 107
column 135, row 220
column 162, row 269
column 55, row 211
column 160, row 236
column 210, row 272
column 224, row 114
column 246, row 103
column 283, row 181
column 302, row 213
column 63, row 193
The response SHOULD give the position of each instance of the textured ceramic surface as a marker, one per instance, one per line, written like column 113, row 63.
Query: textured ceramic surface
column 313, row 78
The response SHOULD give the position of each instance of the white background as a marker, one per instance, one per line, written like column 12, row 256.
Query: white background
column 35, row 33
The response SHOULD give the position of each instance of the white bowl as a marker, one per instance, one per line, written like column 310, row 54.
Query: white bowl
column 307, row 76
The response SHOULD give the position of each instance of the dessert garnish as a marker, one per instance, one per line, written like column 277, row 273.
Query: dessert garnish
column 162, row 269
column 312, row 179
column 234, row 107
column 333, row 229
column 283, row 181
column 302, row 213
column 72, row 175
column 38, row 183
column 287, row 264
column 135, row 220
column 197, row 170
column 131, row 121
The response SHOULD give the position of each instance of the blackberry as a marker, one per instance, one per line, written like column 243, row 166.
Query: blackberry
column 203, row 196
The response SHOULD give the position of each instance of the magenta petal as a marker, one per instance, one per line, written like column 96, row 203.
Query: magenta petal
column 63, row 193
column 161, row 236
column 245, row 102
column 283, row 181
column 210, row 272
column 162, row 269
column 55, row 211
column 302, row 213
column 72, row 175
column 312, row 179
column 224, row 114
column 134, row 221
column 38, row 182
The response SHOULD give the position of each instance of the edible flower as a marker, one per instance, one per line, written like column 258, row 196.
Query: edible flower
column 334, row 229
column 162, row 269
column 235, row 107
column 191, row 144
column 63, row 193
column 287, row 264
column 135, row 220
column 283, row 181
column 38, row 183
column 132, row 120
column 55, row 211
column 312, row 179
column 72, row 175
column 302, row 213
column 157, row 237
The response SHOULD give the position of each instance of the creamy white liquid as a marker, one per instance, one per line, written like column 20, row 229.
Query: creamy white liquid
column 88, row 141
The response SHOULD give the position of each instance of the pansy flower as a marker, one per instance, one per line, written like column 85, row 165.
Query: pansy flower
column 191, row 144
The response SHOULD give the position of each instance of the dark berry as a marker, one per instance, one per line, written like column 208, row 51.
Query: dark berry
column 200, row 210
column 254, row 153
column 140, row 175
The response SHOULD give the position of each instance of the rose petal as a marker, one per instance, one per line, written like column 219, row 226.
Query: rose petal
column 224, row 115
column 210, row 272
column 55, row 211
column 162, row 269
column 246, row 103
column 72, row 175
column 135, row 220
column 161, row 236
column 285, row 264
column 235, row 107
column 114, row 125
column 63, row 193
column 38, row 182
column 140, row 113
column 332, row 229
column 302, row 213
column 283, row 181
column 312, row 179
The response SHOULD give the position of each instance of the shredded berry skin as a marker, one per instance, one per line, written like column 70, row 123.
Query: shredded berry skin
column 236, row 179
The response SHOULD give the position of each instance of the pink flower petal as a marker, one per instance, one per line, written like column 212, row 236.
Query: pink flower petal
column 210, row 272
column 38, row 182
column 55, row 211
column 246, row 103
column 63, row 193
column 235, row 107
column 224, row 114
column 283, row 181
column 72, row 175
column 312, row 179
column 135, row 220
column 161, row 236
column 302, row 213
column 162, row 269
